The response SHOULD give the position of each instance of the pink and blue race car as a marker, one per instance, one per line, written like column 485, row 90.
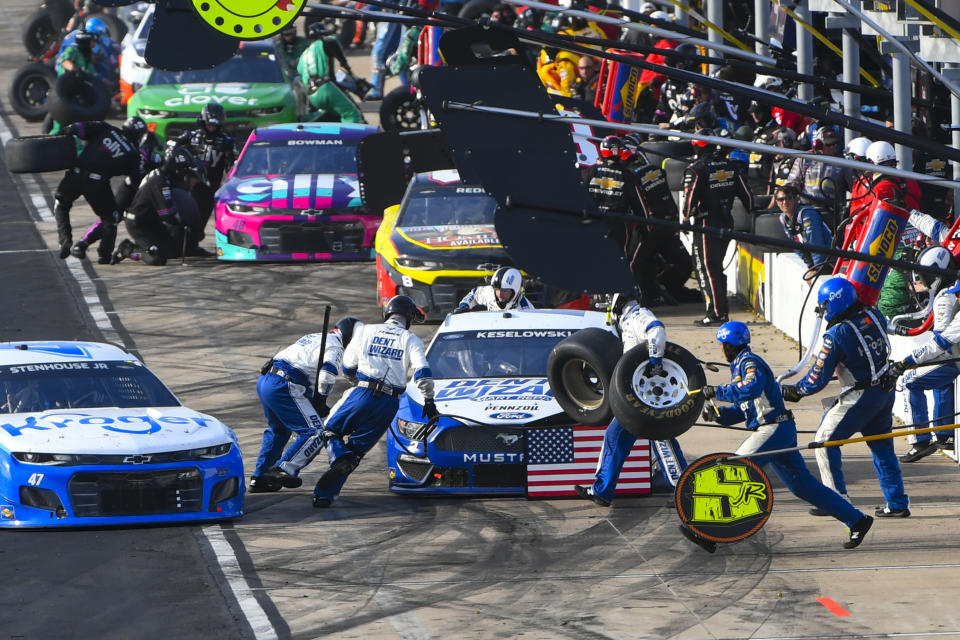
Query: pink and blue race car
column 293, row 194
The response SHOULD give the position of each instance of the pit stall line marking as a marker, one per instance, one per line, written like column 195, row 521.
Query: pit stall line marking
column 833, row 607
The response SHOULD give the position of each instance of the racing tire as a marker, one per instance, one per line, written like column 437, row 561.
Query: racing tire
column 29, row 89
column 78, row 97
column 579, row 370
column 657, row 408
column 476, row 8
column 400, row 110
column 60, row 12
column 39, row 32
column 36, row 154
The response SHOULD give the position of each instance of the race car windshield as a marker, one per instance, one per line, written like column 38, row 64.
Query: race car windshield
column 27, row 388
column 291, row 157
column 493, row 354
column 447, row 207
column 247, row 66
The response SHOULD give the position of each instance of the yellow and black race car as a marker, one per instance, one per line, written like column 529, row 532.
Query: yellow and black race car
column 440, row 242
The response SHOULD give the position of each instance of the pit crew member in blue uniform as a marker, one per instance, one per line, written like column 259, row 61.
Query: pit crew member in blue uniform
column 505, row 291
column 855, row 346
column 944, row 344
column 635, row 323
column 378, row 358
column 757, row 400
column 285, row 387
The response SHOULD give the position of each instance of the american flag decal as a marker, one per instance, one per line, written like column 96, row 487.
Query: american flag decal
column 559, row 458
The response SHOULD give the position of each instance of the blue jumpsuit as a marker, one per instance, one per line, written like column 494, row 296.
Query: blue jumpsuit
column 857, row 349
column 756, row 395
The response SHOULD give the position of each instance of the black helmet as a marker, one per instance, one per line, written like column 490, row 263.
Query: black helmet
column 179, row 163
column 705, row 115
column 405, row 307
column 213, row 114
column 620, row 301
column 614, row 147
column 702, row 147
column 133, row 128
column 317, row 30
column 345, row 326
column 289, row 30
column 84, row 40
column 684, row 60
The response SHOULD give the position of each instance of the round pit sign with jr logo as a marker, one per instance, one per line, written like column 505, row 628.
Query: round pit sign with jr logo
column 724, row 500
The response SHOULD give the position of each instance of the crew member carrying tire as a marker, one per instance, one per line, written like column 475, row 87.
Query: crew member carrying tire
column 285, row 388
column 107, row 152
column 635, row 324
column 757, row 400
column 317, row 74
column 76, row 59
column 505, row 291
column 157, row 223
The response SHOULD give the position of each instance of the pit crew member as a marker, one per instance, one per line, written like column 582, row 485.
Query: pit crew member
column 316, row 74
column 855, row 346
column 215, row 150
column 756, row 398
column 505, row 291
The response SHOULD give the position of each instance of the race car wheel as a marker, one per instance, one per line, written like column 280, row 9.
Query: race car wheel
column 38, row 32
column 36, row 154
column 657, row 408
column 400, row 110
column 60, row 12
column 29, row 89
column 78, row 97
column 579, row 370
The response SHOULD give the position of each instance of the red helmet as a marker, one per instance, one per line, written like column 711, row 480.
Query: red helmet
column 613, row 146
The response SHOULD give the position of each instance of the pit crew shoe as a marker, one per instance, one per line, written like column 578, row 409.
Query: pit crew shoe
column 65, row 249
column 123, row 251
column 105, row 260
column 264, row 484
column 887, row 512
column 79, row 250
column 286, row 480
column 946, row 445
column 857, row 532
column 707, row 545
column 319, row 502
column 710, row 321
column 587, row 494
column 919, row 451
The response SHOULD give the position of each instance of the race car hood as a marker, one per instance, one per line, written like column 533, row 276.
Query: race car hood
column 492, row 400
column 234, row 96
column 461, row 247
column 111, row 431
column 302, row 191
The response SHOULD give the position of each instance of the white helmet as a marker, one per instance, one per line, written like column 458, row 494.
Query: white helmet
column 510, row 279
column 767, row 82
column 881, row 152
column 857, row 148
column 660, row 15
column 938, row 257
column 647, row 7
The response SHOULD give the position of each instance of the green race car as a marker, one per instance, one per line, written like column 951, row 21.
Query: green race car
column 251, row 86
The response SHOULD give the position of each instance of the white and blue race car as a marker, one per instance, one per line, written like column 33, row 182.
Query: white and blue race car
column 90, row 437
column 490, row 373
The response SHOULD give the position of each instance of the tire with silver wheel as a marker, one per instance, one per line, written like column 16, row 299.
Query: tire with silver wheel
column 657, row 408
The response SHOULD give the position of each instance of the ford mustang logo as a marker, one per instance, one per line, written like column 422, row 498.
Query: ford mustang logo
column 510, row 415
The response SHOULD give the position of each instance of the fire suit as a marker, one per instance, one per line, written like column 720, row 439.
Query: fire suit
column 151, row 157
column 617, row 189
column 323, row 93
column 943, row 344
column 757, row 400
column 936, row 201
column 216, row 152
column 286, row 393
column 106, row 153
column 710, row 185
column 855, row 346
column 636, row 324
column 155, row 223
column 379, row 357
column 484, row 297
column 807, row 226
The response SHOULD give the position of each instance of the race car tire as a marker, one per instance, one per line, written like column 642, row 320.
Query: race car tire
column 29, row 89
column 476, row 8
column 674, row 169
column 36, row 154
column 579, row 370
column 657, row 408
column 400, row 110
column 116, row 28
column 60, row 12
column 39, row 31
column 78, row 97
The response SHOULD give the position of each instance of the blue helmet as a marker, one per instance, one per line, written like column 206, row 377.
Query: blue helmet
column 835, row 296
column 96, row 25
column 734, row 333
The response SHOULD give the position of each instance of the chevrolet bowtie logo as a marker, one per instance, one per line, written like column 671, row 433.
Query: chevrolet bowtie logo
column 607, row 183
column 650, row 176
column 721, row 176
column 935, row 165
column 137, row 459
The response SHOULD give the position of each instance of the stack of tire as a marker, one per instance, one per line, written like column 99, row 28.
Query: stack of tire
column 593, row 382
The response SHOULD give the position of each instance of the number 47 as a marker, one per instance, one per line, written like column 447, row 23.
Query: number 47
column 35, row 479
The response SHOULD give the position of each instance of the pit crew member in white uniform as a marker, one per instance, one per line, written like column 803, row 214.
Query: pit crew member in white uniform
column 378, row 358
column 285, row 388
column 505, row 291
column 636, row 324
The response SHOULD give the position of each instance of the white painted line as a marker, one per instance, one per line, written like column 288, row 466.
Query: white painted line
column 8, row 251
column 405, row 624
column 40, row 204
column 252, row 611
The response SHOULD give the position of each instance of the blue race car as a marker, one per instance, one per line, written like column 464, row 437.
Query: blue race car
column 490, row 372
column 90, row 437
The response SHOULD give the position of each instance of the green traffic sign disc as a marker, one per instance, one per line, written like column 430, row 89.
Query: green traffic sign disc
column 248, row 19
column 724, row 500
